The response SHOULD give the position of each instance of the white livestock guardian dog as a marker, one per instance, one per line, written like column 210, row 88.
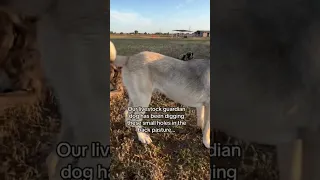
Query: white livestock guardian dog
column 185, row 82
column 267, row 76
column 72, row 40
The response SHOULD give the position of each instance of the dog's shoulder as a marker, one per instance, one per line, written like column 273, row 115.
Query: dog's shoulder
column 149, row 56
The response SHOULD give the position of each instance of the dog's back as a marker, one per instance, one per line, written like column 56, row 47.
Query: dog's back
column 190, row 79
column 186, row 82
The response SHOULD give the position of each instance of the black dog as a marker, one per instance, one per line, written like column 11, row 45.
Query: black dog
column 186, row 57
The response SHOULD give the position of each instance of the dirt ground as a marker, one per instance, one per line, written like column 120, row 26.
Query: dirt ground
column 27, row 133
column 178, row 155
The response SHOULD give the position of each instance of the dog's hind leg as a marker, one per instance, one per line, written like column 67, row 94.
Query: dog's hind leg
column 206, row 130
column 200, row 116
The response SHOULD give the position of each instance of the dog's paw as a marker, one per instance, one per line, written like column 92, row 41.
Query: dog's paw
column 144, row 138
column 206, row 142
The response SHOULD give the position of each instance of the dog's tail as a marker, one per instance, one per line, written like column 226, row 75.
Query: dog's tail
column 113, row 52
column 119, row 61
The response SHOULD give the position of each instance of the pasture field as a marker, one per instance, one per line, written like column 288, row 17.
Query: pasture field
column 151, row 36
column 179, row 155
column 28, row 132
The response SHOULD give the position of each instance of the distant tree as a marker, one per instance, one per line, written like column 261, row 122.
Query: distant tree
column 121, row 33
column 145, row 32
column 136, row 32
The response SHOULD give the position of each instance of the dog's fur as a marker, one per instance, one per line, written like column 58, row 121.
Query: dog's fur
column 115, row 72
column 186, row 56
column 187, row 83
column 266, row 77
column 73, row 41
column 115, row 78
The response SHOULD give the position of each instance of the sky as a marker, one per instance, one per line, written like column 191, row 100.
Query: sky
column 159, row 15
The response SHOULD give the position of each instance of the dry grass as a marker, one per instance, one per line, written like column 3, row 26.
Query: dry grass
column 26, row 136
column 178, row 155
column 27, row 133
